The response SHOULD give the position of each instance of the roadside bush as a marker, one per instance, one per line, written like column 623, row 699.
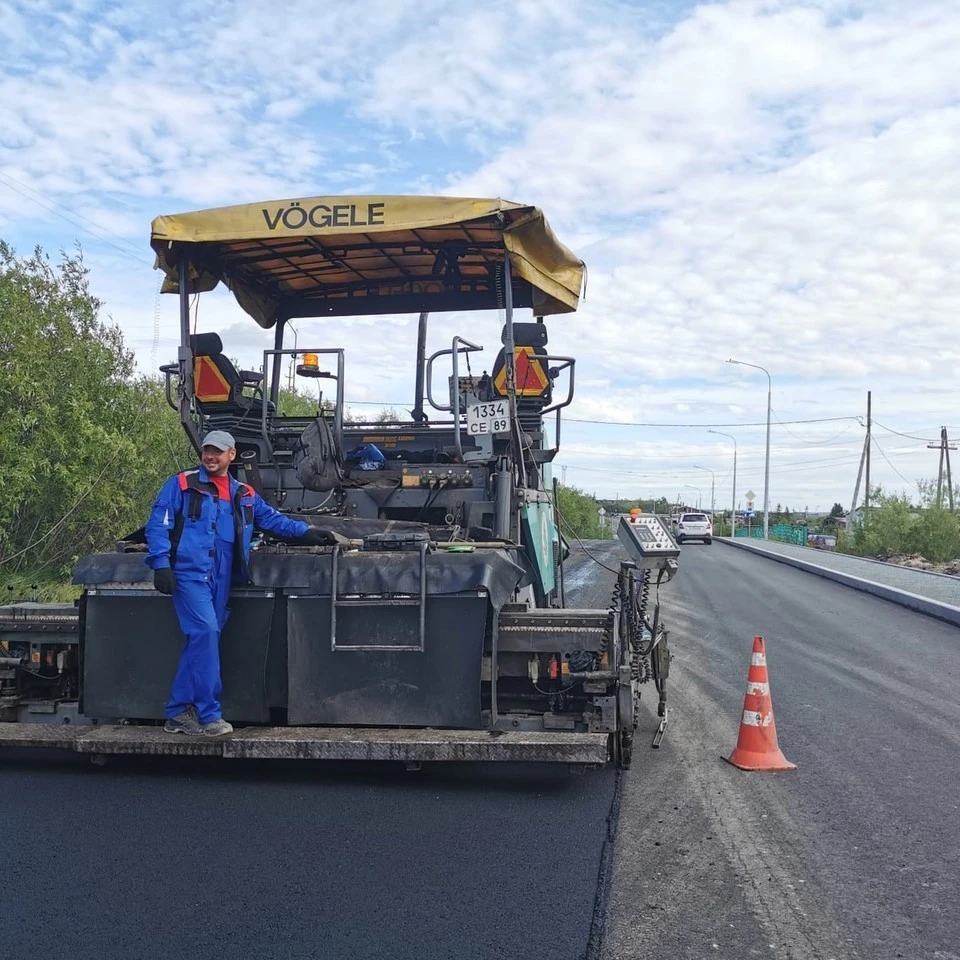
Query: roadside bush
column 887, row 529
column 579, row 513
column 935, row 535
column 895, row 527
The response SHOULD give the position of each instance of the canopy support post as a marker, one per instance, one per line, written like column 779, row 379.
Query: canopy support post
column 418, row 415
column 277, row 345
column 510, row 367
column 185, row 354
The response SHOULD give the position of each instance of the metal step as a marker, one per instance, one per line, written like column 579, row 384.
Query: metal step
column 319, row 743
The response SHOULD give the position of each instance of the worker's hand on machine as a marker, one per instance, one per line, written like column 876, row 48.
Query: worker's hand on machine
column 165, row 580
column 315, row 537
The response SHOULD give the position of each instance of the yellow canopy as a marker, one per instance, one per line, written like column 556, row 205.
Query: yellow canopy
column 343, row 256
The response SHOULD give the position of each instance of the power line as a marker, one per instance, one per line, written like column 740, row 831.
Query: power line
column 796, row 466
column 892, row 467
column 93, row 223
column 698, row 426
column 575, row 447
column 812, row 442
column 909, row 436
column 4, row 178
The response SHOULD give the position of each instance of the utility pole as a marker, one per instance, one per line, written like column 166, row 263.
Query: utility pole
column 733, row 515
column 766, row 466
column 713, row 501
column 856, row 488
column 733, row 511
column 944, row 447
column 866, row 496
column 939, row 470
column 946, row 453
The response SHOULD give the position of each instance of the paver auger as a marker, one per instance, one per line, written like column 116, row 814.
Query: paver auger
column 436, row 628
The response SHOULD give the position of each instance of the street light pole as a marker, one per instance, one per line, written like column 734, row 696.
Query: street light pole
column 713, row 482
column 733, row 512
column 699, row 494
column 766, row 467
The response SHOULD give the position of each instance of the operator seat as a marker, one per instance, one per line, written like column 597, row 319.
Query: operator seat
column 534, row 383
column 217, row 384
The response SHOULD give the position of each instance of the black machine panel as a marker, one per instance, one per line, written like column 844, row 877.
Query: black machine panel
column 131, row 643
column 352, row 686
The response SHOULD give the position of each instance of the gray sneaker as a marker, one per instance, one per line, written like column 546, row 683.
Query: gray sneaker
column 215, row 728
column 184, row 722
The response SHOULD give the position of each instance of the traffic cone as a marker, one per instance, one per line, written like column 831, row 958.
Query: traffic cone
column 757, row 747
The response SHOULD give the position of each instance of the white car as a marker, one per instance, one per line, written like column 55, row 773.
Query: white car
column 694, row 526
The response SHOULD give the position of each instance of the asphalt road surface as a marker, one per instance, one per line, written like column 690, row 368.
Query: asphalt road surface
column 854, row 855
column 156, row 858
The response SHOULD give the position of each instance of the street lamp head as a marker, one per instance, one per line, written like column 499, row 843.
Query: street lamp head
column 720, row 433
column 731, row 360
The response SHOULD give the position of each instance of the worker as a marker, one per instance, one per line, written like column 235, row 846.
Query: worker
column 198, row 543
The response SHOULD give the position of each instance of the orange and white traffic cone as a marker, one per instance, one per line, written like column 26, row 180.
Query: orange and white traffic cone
column 757, row 747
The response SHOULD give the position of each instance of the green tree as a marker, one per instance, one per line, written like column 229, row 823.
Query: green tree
column 290, row 404
column 85, row 443
column 928, row 493
column 579, row 514
column 935, row 535
column 886, row 530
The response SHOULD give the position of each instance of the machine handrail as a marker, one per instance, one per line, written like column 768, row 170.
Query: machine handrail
column 467, row 347
column 565, row 363
column 380, row 601
column 337, row 409
column 168, row 370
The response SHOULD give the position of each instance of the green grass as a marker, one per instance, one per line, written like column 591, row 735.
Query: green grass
column 26, row 587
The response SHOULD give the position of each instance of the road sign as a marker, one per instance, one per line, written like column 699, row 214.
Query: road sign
column 751, row 496
column 532, row 380
column 487, row 419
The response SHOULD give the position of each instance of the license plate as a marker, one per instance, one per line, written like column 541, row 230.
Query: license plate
column 486, row 419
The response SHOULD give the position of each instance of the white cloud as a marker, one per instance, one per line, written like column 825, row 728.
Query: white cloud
column 774, row 180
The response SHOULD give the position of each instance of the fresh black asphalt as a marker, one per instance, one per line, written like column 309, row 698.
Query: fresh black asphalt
column 155, row 858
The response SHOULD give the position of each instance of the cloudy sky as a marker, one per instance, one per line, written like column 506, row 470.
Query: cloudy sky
column 777, row 182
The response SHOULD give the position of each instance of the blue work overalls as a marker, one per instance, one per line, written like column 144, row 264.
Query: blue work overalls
column 202, row 610
column 194, row 532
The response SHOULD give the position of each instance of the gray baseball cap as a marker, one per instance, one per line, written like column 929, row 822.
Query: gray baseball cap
column 219, row 439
